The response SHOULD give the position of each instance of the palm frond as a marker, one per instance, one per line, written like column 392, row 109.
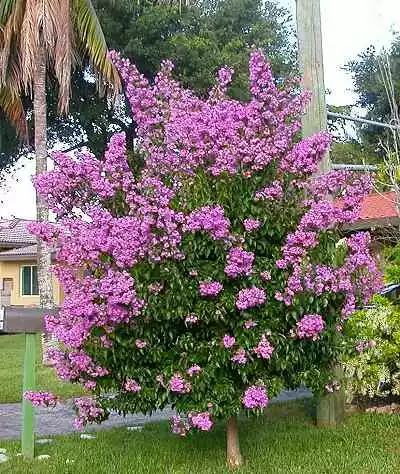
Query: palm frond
column 6, row 9
column 63, row 54
column 29, row 40
column 91, row 39
column 11, row 105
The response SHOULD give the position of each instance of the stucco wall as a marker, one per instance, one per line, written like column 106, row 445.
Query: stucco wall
column 11, row 269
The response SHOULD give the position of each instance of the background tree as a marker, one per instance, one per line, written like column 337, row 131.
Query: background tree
column 366, row 71
column 36, row 37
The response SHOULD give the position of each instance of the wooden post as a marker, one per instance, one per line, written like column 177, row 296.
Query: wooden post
column 330, row 409
column 28, row 414
column 310, row 56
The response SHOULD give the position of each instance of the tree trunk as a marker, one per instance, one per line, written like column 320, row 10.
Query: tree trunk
column 234, row 458
column 42, row 211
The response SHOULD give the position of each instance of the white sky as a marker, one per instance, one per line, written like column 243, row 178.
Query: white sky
column 349, row 26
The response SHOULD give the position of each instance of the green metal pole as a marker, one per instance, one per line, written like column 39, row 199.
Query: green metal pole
column 28, row 414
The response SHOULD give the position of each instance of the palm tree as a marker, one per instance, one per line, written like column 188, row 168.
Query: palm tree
column 35, row 36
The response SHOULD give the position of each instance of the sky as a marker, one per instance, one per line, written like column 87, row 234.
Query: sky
column 348, row 26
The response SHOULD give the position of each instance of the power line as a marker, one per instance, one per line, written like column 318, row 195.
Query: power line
column 361, row 120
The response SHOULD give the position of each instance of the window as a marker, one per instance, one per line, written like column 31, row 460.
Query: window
column 29, row 281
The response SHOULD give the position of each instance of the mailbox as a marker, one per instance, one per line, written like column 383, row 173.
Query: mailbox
column 20, row 319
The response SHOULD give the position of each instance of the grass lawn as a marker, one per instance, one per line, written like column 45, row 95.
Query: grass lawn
column 11, row 368
column 283, row 442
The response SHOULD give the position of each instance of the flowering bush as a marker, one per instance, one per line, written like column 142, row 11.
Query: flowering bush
column 188, row 267
column 372, row 363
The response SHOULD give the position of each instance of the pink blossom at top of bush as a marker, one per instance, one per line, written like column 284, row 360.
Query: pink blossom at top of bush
column 41, row 399
column 310, row 326
column 239, row 262
column 255, row 397
column 250, row 297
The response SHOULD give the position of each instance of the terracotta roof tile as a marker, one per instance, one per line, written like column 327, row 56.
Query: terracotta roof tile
column 376, row 206
column 14, row 231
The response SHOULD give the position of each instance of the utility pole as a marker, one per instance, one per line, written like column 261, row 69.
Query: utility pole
column 330, row 407
column 310, row 57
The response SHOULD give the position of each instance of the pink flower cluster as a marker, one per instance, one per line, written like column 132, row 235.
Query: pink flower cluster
column 264, row 349
column 250, row 297
column 41, row 399
column 251, row 225
column 201, row 421
column 88, row 410
column 270, row 193
column 239, row 357
column 228, row 341
column 255, row 397
column 194, row 370
column 210, row 288
column 183, row 425
column 191, row 319
column 208, row 219
column 178, row 384
column 239, row 262
column 310, row 326
column 363, row 345
column 132, row 386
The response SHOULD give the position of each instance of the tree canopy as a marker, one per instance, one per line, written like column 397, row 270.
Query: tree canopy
column 366, row 71
column 197, row 39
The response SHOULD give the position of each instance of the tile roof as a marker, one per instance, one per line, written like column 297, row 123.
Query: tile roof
column 28, row 251
column 379, row 206
column 15, row 232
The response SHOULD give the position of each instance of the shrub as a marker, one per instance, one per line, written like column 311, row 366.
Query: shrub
column 372, row 365
column 204, row 272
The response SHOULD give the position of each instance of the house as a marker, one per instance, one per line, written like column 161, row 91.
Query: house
column 18, row 266
column 378, row 213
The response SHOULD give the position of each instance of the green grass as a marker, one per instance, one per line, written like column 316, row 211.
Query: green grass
column 283, row 442
column 11, row 369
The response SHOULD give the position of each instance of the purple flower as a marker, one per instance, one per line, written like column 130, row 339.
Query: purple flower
column 178, row 384
column 250, row 297
column 41, row 399
column 132, row 386
column 240, row 357
column 140, row 344
column 194, row 370
column 201, row 421
column 310, row 327
column 191, row 319
column 210, row 288
column 266, row 276
column 264, row 348
column 249, row 324
column 228, row 341
column 179, row 426
column 255, row 397
column 251, row 225
column 239, row 262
